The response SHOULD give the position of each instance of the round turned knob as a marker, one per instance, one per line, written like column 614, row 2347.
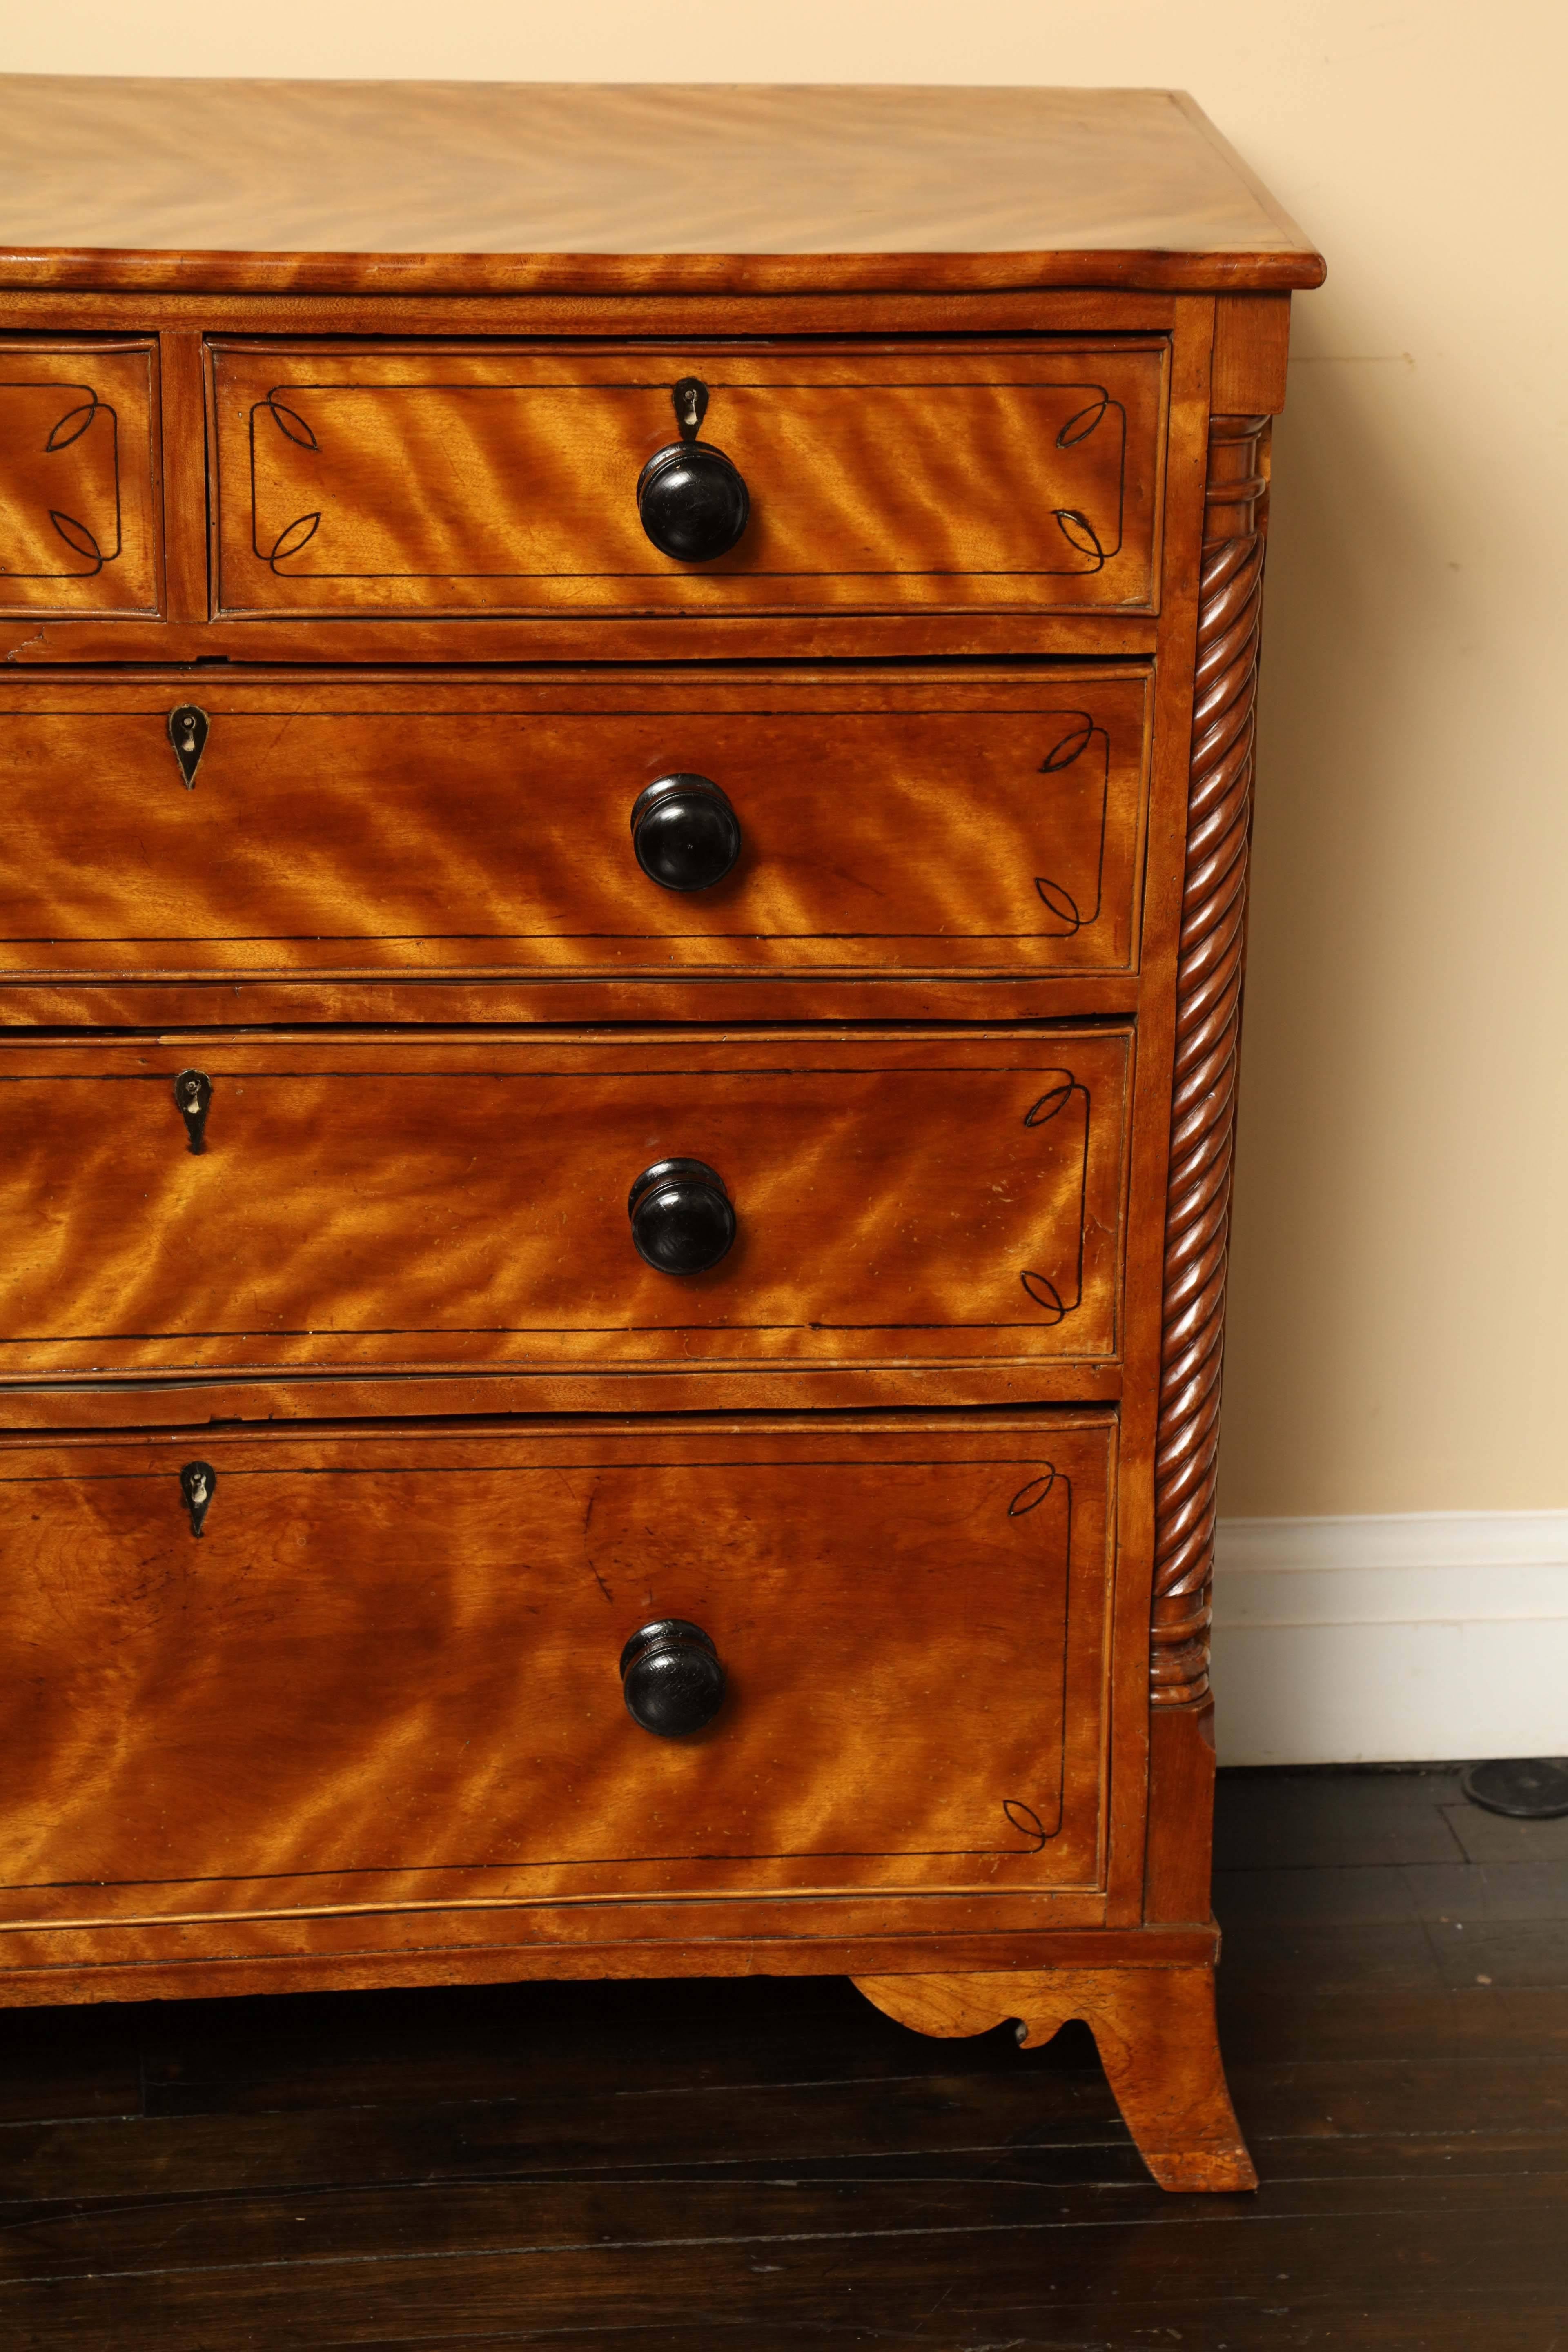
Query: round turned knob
column 693, row 503
column 683, row 1222
column 686, row 835
column 672, row 1678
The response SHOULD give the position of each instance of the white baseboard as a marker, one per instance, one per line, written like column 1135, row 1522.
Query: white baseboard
column 1393, row 1639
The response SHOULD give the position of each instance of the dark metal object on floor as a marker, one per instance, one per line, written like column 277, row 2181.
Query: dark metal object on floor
column 1527, row 1787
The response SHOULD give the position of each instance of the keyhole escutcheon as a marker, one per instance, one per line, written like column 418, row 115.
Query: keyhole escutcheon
column 188, row 735
column 198, row 1483
column 193, row 1098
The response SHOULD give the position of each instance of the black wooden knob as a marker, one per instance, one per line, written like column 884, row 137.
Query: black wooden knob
column 693, row 500
column 672, row 1678
column 686, row 835
column 683, row 1219
column 683, row 1222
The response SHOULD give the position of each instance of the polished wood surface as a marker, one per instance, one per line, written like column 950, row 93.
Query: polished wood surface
column 781, row 1384
column 482, row 186
column 579, row 638
column 1251, row 354
column 438, row 1202
column 1178, row 1849
column 184, row 323
column 431, row 477
column 942, row 822
column 588, row 632
column 78, row 489
column 1209, row 976
column 389, row 1662
column 486, row 1942
column 311, row 1701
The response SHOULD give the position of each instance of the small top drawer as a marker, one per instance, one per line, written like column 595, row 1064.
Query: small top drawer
column 78, row 477
column 503, row 477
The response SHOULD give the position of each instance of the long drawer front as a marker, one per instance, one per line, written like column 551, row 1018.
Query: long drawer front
column 445, row 478
column 319, row 1202
column 386, row 1672
column 879, row 823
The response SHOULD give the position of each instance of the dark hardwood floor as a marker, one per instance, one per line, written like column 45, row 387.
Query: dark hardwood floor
column 771, row 2166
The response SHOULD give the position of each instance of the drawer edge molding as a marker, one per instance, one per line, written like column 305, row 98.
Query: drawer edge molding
column 778, row 1939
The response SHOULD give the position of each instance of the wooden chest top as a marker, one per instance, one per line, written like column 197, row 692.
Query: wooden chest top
column 464, row 187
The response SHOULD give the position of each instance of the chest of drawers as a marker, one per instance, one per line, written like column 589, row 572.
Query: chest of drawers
column 626, row 765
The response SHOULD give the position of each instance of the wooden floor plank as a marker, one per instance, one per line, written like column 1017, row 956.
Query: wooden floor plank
column 799, row 2255
column 689, row 2167
column 69, row 2062
column 1300, row 2117
column 1482, row 1836
column 1131, row 2328
column 1263, row 1817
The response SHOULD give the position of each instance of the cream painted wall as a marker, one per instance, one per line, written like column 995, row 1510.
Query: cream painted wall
column 1399, row 1338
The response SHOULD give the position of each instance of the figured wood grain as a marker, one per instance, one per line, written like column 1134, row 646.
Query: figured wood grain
column 1154, row 2029
column 495, row 998
column 182, row 403
column 1208, row 1038
column 489, row 186
column 1179, row 1852
column 437, row 1202
column 1060, row 310
column 438, row 478
column 476, row 1938
column 389, row 1665
column 79, row 505
column 773, row 1936
column 1186, row 470
column 580, row 638
column 1251, row 353
column 945, row 821
column 343, row 1736
column 127, row 1400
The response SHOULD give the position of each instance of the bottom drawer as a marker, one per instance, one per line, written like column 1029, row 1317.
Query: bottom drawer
column 388, row 1672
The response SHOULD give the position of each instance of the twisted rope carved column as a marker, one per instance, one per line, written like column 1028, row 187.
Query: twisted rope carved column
column 1208, row 1028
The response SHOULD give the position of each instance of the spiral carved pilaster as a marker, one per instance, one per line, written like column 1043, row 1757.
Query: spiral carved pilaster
column 1209, row 967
